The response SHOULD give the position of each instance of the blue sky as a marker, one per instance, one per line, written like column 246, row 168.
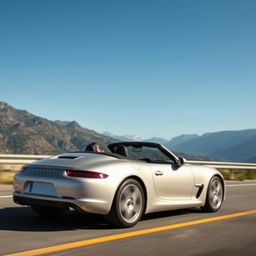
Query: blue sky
column 150, row 68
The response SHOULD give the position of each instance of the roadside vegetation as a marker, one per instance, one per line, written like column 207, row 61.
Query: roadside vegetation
column 6, row 174
column 6, row 177
column 239, row 174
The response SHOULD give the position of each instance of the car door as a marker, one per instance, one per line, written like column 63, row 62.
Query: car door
column 172, row 182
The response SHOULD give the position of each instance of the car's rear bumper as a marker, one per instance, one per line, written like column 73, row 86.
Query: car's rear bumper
column 84, row 205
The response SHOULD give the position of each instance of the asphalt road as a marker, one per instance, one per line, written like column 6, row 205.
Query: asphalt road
column 21, row 230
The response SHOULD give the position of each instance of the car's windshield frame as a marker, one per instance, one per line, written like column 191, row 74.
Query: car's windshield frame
column 167, row 156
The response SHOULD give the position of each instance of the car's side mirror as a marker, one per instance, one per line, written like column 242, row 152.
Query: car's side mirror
column 180, row 161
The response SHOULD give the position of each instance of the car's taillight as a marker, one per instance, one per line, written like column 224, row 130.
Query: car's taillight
column 23, row 169
column 86, row 174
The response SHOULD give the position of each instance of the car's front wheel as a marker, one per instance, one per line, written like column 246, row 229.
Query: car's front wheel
column 215, row 195
column 128, row 205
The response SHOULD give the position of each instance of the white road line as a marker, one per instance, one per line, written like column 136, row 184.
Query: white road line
column 240, row 185
column 5, row 196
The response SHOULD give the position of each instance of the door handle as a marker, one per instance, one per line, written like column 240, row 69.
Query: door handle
column 158, row 173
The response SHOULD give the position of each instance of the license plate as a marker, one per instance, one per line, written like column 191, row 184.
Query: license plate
column 41, row 188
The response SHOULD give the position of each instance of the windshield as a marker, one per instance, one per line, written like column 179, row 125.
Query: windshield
column 148, row 154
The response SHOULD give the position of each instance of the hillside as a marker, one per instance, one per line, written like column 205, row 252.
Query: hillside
column 237, row 146
column 180, row 140
column 158, row 140
column 24, row 133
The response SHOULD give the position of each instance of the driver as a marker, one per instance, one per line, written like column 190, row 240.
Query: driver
column 93, row 147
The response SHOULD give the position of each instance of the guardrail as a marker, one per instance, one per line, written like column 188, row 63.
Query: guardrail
column 13, row 159
column 10, row 164
column 231, row 170
column 225, row 165
column 20, row 159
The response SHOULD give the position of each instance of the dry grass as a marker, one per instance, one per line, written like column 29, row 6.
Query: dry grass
column 239, row 174
column 7, row 173
column 6, row 177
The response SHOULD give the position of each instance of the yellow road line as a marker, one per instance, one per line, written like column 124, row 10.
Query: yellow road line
column 67, row 246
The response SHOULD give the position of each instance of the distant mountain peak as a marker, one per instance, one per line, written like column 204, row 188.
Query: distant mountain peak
column 181, row 139
column 73, row 125
column 233, row 146
column 4, row 105
column 124, row 137
column 158, row 140
column 24, row 133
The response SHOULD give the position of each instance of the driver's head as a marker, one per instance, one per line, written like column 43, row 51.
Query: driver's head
column 93, row 147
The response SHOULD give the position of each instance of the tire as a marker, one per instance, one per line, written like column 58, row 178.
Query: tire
column 48, row 211
column 215, row 195
column 128, row 205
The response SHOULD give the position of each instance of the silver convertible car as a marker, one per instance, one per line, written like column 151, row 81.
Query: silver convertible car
column 136, row 178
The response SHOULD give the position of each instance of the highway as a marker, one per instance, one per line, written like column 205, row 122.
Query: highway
column 184, row 232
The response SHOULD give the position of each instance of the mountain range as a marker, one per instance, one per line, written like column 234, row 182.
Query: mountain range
column 136, row 138
column 234, row 146
column 24, row 133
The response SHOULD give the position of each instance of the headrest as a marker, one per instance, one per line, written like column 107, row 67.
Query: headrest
column 121, row 150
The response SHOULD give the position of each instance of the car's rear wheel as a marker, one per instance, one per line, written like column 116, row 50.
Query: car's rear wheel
column 128, row 205
column 215, row 195
column 48, row 211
